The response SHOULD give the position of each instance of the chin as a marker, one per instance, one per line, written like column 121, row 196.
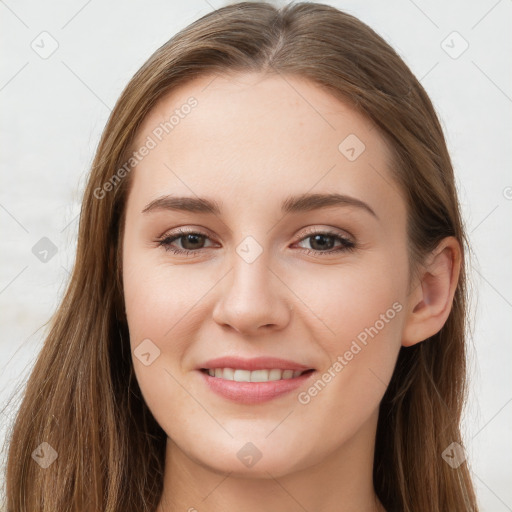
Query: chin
column 250, row 460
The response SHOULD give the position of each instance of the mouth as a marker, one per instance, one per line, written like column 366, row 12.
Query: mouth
column 260, row 375
column 251, row 387
column 253, row 380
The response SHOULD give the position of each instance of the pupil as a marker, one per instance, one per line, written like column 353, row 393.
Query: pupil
column 317, row 240
column 191, row 238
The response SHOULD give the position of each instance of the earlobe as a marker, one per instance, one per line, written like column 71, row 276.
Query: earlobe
column 431, row 301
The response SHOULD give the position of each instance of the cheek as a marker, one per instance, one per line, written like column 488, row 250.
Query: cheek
column 158, row 297
column 345, row 303
column 358, row 323
column 161, row 306
column 166, row 305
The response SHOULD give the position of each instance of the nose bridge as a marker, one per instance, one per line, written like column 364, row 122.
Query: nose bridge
column 251, row 277
column 251, row 297
column 251, row 270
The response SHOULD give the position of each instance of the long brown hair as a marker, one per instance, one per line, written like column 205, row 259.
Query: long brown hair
column 82, row 398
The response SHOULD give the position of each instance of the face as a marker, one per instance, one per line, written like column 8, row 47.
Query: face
column 299, row 263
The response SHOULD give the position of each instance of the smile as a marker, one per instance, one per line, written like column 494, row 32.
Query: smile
column 265, row 375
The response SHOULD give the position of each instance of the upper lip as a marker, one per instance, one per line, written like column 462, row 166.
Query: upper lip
column 256, row 363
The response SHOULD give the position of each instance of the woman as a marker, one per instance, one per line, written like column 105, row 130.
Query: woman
column 267, row 310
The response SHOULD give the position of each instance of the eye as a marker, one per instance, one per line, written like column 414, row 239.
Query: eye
column 322, row 242
column 191, row 241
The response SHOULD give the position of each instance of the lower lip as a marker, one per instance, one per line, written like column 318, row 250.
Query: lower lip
column 253, row 392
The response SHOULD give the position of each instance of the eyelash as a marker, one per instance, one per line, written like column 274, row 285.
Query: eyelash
column 166, row 240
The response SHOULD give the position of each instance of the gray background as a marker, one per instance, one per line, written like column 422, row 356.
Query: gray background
column 54, row 109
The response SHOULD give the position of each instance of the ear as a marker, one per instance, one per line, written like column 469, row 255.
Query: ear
column 430, row 302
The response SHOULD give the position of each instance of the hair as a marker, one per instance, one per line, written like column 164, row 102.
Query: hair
column 82, row 397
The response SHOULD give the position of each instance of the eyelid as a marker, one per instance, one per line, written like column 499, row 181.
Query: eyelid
column 327, row 231
column 180, row 230
column 186, row 228
column 348, row 243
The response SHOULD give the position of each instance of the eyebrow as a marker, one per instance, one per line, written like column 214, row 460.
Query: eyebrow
column 292, row 204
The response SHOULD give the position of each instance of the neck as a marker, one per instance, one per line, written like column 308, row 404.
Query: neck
column 341, row 482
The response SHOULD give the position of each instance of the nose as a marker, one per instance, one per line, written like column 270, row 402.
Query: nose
column 252, row 298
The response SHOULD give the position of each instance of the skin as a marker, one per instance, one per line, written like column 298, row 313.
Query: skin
column 252, row 141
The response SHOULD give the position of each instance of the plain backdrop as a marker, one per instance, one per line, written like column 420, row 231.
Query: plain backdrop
column 54, row 108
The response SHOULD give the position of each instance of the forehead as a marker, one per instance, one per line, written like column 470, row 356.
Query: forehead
column 259, row 137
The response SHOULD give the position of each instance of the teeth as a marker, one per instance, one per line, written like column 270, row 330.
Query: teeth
column 240, row 375
column 254, row 376
column 228, row 373
column 275, row 374
column 259, row 375
column 287, row 374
